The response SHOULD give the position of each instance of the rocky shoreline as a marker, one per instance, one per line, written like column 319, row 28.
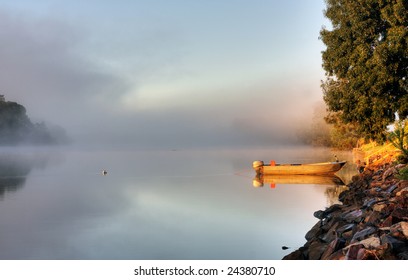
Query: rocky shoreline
column 370, row 224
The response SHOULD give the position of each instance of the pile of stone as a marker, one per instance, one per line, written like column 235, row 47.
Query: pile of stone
column 371, row 223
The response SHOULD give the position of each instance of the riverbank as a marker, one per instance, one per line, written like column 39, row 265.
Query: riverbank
column 371, row 222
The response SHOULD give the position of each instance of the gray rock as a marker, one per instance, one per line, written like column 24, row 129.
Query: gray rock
column 345, row 228
column 397, row 245
column 391, row 189
column 314, row 232
column 362, row 234
column 353, row 216
column 316, row 250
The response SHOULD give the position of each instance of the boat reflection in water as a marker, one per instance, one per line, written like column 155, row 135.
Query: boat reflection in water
column 260, row 180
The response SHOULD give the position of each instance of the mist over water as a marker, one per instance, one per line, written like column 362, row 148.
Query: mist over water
column 182, row 204
column 162, row 103
column 175, row 102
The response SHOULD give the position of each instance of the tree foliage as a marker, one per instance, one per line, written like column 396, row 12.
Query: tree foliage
column 343, row 136
column 366, row 63
column 14, row 123
column 17, row 128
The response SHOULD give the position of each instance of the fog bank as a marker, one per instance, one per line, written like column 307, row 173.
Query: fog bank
column 49, row 66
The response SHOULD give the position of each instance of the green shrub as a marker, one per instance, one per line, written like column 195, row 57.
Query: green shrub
column 403, row 173
column 402, row 158
column 399, row 137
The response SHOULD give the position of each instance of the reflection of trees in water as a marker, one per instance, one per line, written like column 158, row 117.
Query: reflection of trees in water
column 346, row 174
column 332, row 194
column 10, row 185
column 14, row 169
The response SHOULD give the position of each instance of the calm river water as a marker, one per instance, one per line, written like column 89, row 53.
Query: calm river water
column 175, row 204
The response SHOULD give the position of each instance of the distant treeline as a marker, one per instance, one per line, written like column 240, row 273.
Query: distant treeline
column 16, row 128
column 326, row 130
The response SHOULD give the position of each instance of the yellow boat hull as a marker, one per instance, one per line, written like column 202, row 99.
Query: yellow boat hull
column 322, row 168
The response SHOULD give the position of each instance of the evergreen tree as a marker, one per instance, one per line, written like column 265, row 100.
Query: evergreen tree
column 366, row 63
column 16, row 127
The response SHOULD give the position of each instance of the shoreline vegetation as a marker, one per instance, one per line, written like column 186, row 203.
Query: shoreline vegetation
column 371, row 223
column 366, row 97
column 16, row 128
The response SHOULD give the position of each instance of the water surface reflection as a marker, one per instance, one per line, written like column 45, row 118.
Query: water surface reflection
column 192, row 204
column 15, row 166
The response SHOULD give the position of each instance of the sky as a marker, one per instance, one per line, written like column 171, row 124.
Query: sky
column 165, row 73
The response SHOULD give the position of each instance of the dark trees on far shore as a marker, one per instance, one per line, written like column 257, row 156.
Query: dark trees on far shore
column 16, row 128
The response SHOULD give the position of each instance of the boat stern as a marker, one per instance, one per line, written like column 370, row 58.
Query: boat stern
column 258, row 166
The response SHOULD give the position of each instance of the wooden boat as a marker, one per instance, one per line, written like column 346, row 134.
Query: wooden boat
column 331, row 180
column 322, row 168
